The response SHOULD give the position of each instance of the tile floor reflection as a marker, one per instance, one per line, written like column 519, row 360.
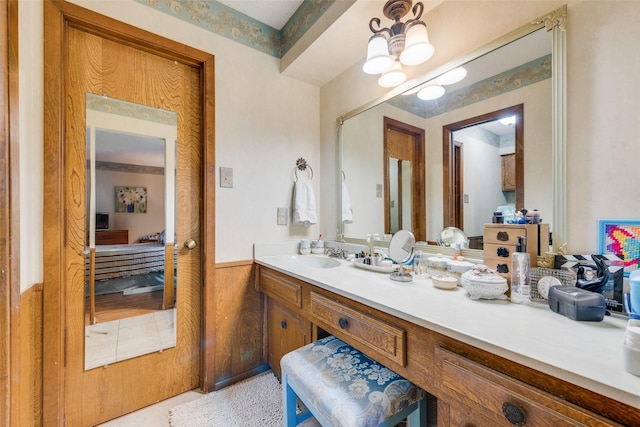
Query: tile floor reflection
column 118, row 340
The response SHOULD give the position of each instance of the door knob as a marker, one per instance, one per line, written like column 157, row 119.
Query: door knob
column 190, row 244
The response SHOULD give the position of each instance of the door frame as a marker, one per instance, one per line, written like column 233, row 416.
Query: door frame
column 448, row 157
column 9, row 223
column 418, row 190
column 60, row 16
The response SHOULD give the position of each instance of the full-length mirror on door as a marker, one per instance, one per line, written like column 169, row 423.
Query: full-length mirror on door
column 130, row 257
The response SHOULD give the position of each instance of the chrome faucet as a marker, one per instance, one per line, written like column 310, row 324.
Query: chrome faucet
column 336, row 253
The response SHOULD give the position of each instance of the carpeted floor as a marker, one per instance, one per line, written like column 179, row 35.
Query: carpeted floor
column 256, row 402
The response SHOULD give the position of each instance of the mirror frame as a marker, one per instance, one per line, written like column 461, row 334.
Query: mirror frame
column 554, row 22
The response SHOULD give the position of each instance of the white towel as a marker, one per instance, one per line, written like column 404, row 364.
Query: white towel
column 347, row 211
column 304, row 203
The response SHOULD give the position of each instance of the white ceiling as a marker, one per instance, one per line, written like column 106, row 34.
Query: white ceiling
column 274, row 13
column 333, row 49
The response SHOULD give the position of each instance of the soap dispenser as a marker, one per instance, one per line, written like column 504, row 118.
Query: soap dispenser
column 520, row 278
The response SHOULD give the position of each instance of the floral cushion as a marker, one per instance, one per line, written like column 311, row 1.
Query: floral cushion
column 347, row 387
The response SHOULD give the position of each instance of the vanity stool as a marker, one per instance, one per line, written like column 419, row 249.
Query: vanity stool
column 342, row 387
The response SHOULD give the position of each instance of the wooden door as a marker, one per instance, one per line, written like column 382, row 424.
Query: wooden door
column 405, row 142
column 95, row 58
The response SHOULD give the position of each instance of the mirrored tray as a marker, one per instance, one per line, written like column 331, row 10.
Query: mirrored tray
column 358, row 262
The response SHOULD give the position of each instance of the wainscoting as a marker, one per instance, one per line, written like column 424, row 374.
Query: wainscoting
column 30, row 381
column 239, row 325
column 239, row 350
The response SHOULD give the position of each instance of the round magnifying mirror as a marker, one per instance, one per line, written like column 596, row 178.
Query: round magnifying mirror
column 401, row 251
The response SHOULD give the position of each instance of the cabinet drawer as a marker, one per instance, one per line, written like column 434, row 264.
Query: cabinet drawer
column 498, row 251
column 371, row 335
column 498, row 258
column 502, row 399
column 505, row 235
column 280, row 287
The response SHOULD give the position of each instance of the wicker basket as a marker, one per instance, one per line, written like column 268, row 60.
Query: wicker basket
column 566, row 277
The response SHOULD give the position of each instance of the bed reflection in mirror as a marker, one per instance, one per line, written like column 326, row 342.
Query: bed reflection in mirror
column 130, row 262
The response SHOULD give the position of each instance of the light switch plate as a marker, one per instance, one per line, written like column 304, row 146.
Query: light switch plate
column 283, row 214
column 378, row 190
column 226, row 177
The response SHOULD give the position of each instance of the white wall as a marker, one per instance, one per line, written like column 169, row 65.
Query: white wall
column 138, row 224
column 603, row 98
column 264, row 122
column 481, row 185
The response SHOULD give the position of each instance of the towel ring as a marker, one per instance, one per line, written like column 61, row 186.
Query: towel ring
column 302, row 165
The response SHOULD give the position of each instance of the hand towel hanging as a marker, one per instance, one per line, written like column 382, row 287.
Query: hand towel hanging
column 347, row 211
column 304, row 203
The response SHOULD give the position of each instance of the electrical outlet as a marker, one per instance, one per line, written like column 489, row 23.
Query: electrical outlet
column 226, row 177
column 283, row 214
column 466, row 198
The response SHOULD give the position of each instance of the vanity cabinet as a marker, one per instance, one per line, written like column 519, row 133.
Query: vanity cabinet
column 472, row 386
column 287, row 329
column 478, row 396
column 386, row 341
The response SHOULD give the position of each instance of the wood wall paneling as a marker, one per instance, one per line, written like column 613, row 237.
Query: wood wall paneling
column 30, row 376
column 238, row 312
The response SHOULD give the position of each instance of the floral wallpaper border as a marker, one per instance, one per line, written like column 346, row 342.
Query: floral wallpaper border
column 227, row 22
column 524, row 75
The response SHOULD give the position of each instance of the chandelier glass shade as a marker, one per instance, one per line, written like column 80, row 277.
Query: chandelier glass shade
column 392, row 77
column 417, row 48
column 403, row 43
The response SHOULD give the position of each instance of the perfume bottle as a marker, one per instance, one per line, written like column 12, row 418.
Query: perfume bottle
column 520, row 278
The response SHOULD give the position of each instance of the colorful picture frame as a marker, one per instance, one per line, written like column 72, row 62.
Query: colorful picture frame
column 621, row 236
column 131, row 199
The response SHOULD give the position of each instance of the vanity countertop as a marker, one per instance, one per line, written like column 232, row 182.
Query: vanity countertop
column 587, row 354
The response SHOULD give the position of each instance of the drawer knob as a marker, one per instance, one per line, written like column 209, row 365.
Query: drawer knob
column 502, row 268
column 514, row 414
column 283, row 324
column 342, row 322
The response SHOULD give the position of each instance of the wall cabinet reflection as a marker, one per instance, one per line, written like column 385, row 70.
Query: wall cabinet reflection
column 130, row 263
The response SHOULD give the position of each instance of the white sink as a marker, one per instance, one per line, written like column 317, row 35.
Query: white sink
column 316, row 261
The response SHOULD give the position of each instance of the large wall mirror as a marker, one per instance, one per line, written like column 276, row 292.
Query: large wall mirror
column 130, row 258
column 520, row 74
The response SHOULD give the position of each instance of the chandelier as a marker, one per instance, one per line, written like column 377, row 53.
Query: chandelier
column 402, row 44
